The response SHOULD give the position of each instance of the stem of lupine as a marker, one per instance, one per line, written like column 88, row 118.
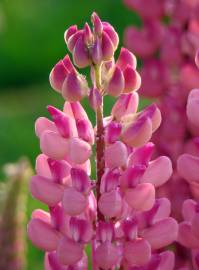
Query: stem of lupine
column 99, row 140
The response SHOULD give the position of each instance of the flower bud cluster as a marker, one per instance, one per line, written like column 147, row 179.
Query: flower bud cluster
column 117, row 214
column 168, row 45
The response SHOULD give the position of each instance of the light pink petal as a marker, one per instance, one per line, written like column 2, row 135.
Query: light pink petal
column 42, row 235
column 116, row 155
column 42, row 124
column 112, row 199
column 137, row 252
column 42, row 167
column 189, row 209
column 46, row 191
column 53, row 145
column 142, row 197
column 69, row 252
column 162, row 233
column 186, row 236
column 74, row 202
column 158, row 172
column 188, row 167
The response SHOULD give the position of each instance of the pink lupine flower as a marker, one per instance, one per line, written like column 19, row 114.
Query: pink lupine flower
column 117, row 212
column 167, row 43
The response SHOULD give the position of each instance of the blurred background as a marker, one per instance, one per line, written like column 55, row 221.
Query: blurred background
column 31, row 42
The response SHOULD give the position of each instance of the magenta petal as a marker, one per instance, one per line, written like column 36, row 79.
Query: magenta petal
column 58, row 75
column 132, row 79
column 197, row 58
column 69, row 32
column 42, row 167
column 189, row 208
column 107, row 47
column 141, row 155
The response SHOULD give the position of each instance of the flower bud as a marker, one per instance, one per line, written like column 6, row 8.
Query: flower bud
column 80, row 54
column 58, row 75
column 126, row 104
column 112, row 198
column 126, row 58
column 65, row 124
column 74, row 202
column 97, row 24
column 69, row 32
column 132, row 79
column 107, row 47
column 73, row 40
column 110, row 31
column 141, row 198
column 116, row 83
column 74, row 87
column 116, row 155
column 88, row 36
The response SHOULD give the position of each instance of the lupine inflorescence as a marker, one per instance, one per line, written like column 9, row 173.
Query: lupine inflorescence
column 168, row 44
column 117, row 214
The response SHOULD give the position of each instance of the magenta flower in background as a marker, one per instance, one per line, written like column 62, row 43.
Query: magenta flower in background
column 117, row 214
column 168, row 44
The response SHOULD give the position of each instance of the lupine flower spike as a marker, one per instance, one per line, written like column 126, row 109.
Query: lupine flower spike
column 167, row 44
column 117, row 213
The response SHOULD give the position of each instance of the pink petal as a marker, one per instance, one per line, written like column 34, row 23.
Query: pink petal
column 116, row 155
column 158, row 171
column 187, row 166
column 137, row 252
column 142, row 197
column 186, row 236
column 45, row 190
column 42, row 235
column 42, row 124
column 162, row 233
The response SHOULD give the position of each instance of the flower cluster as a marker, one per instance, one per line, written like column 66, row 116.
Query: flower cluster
column 117, row 214
column 168, row 44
